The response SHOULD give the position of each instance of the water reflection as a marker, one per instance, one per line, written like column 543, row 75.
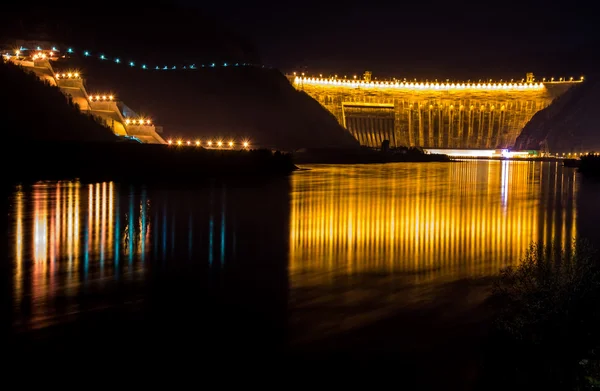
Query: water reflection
column 74, row 242
column 346, row 241
column 464, row 219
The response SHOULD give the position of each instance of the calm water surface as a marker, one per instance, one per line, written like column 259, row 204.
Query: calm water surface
column 330, row 249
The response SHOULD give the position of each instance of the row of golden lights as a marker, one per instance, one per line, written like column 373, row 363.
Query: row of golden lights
column 335, row 77
column 440, row 106
column 39, row 55
column 419, row 86
column 569, row 154
column 210, row 144
column 100, row 98
column 68, row 75
column 139, row 121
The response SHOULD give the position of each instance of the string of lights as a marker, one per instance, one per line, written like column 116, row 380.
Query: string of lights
column 40, row 53
column 208, row 144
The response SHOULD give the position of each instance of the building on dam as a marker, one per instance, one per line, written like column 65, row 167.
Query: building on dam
column 463, row 115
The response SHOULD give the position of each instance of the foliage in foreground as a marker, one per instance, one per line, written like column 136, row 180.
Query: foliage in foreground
column 548, row 326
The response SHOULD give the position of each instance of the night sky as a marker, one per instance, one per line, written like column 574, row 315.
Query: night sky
column 425, row 40
column 433, row 39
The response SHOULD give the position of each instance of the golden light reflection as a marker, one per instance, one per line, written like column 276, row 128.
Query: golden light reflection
column 18, row 285
column 462, row 219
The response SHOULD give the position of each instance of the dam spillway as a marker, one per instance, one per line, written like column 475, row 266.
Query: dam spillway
column 433, row 115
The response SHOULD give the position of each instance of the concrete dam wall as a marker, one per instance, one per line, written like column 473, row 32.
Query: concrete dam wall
column 433, row 115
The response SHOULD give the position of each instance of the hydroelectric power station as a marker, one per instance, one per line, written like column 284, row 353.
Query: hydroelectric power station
column 466, row 115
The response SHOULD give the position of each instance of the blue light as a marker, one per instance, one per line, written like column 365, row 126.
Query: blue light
column 156, row 67
column 117, row 60
column 54, row 49
column 174, row 67
column 117, row 236
column 224, row 64
column 131, row 63
column 86, row 53
column 102, row 57
column 184, row 67
column 131, row 228
column 165, row 67
column 69, row 50
column 143, row 227
column 236, row 64
column 143, row 66
column 39, row 48
column 223, row 207
column 212, row 65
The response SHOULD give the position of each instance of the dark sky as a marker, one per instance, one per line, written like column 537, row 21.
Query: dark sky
column 428, row 39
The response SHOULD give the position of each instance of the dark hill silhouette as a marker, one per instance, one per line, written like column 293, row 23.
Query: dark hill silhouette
column 233, row 102
column 570, row 124
column 34, row 111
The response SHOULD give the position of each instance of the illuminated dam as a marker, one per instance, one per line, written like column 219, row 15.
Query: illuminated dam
column 431, row 114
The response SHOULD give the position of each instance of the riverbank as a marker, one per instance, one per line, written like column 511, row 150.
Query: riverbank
column 135, row 162
column 365, row 156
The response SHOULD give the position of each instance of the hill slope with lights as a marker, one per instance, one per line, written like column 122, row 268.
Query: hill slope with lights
column 213, row 101
column 191, row 76
column 570, row 124
column 105, row 108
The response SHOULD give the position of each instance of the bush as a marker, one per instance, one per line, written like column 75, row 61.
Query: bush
column 548, row 324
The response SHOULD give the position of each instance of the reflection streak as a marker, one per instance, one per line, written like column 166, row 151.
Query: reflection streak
column 18, row 284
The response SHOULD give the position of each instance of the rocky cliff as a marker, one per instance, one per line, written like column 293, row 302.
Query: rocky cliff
column 570, row 124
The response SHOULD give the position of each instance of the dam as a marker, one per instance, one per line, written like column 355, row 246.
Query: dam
column 104, row 107
column 467, row 115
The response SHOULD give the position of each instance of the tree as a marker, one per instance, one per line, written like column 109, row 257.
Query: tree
column 548, row 324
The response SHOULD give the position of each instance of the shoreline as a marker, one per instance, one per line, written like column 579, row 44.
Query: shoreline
column 150, row 163
column 365, row 156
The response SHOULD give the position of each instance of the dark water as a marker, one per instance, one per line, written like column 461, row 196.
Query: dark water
column 322, row 256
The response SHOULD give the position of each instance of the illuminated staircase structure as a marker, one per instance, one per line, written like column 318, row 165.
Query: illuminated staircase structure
column 116, row 115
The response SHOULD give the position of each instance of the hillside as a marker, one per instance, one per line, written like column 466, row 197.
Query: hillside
column 240, row 103
column 35, row 111
column 252, row 102
column 570, row 124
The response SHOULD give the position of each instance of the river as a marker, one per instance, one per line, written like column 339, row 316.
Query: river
column 329, row 254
